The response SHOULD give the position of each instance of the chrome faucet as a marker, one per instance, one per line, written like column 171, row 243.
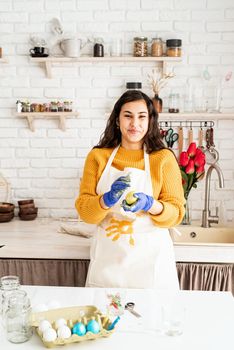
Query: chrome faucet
column 207, row 218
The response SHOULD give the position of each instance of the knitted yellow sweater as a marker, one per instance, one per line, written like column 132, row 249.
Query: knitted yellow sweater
column 166, row 182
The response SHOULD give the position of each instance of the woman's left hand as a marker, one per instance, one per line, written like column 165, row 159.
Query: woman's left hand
column 143, row 202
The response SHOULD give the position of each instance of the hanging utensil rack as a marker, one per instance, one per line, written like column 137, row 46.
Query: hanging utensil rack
column 186, row 123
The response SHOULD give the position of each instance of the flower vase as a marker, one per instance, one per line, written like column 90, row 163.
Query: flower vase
column 158, row 103
column 187, row 218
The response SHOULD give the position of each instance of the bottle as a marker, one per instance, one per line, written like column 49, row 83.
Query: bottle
column 140, row 47
column 158, row 103
column 17, row 318
column 98, row 49
column 18, row 106
column 157, row 47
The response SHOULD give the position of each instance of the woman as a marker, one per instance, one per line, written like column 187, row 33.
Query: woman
column 132, row 247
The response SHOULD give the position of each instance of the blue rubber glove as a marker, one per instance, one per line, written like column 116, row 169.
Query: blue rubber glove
column 144, row 202
column 117, row 189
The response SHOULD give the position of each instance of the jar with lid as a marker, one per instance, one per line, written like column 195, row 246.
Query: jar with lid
column 174, row 47
column 174, row 103
column 135, row 85
column 157, row 47
column 140, row 46
column 8, row 285
column 18, row 106
column 17, row 318
column 98, row 49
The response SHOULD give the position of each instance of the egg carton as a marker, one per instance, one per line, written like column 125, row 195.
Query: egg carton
column 72, row 315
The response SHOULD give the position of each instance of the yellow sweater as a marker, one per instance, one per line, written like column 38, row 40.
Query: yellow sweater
column 166, row 182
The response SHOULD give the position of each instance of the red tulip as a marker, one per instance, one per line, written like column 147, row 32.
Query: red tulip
column 199, row 159
column 184, row 159
column 192, row 149
column 190, row 167
column 200, row 169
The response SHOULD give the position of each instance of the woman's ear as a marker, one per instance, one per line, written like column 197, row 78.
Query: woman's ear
column 117, row 123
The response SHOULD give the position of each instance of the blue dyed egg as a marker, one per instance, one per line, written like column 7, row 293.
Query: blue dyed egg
column 93, row 326
column 79, row 329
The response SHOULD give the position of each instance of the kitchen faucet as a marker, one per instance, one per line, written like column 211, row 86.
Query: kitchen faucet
column 207, row 218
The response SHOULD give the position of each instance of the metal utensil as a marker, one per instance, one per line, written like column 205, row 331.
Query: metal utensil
column 130, row 307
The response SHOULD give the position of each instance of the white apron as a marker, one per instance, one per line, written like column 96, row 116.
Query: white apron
column 128, row 250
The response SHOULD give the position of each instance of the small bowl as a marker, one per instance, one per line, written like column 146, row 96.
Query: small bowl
column 5, row 217
column 28, row 210
column 27, row 217
column 26, row 206
column 6, row 207
column 25, row 201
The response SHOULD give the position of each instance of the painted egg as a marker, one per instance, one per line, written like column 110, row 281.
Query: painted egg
column 93, row 326
column 49, row 335
column 60, row 322
column 43, row 325
column 64, row 332
column 79, row 329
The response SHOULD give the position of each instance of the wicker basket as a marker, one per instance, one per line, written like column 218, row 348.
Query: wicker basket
column 72, row 315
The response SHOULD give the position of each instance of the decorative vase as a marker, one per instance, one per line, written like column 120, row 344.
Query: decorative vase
column 158, row 103
column 187, row 218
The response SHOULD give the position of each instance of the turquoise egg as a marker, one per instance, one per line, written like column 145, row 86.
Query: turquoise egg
column 93, row 326
column 79, row 329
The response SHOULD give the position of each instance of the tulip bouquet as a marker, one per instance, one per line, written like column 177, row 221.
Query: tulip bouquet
column 192, row 167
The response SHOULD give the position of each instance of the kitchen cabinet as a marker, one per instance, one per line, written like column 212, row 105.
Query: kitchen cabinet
column 62, row 116
column 49, row 61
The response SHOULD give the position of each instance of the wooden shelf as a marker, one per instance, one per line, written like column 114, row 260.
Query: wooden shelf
column 60, row 115
column 48, row 61
column 196, row 116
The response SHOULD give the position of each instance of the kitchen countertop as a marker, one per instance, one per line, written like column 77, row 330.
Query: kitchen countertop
column 40, row 239
column 208, row 319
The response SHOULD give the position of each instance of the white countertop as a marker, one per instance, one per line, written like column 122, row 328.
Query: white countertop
column 208, row 321
column 40, row 239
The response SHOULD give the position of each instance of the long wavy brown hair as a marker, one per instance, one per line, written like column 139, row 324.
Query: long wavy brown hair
column 112, row 135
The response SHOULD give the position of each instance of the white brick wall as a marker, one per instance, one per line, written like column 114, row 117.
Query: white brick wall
column 48, row 163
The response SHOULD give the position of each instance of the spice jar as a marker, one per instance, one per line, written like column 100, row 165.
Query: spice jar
column 140, row 47
column 17, row 318
column 133, row 85
column 174, row 47
column 157, row 47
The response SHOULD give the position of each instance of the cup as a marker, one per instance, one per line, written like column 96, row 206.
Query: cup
column 173, row 318
column 38, row 50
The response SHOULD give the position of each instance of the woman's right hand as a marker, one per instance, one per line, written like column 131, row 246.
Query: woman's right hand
column 117, row 189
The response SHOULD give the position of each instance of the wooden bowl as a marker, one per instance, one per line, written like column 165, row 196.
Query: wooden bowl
column 6, row 207
column 27, row 217
column 25, row 201
column 27, row 206
column 5, row 217
column 28, row 210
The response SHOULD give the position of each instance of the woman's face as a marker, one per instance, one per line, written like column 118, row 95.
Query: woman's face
column 133, row 124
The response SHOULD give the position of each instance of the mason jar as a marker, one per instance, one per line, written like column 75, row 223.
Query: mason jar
column 18, row 317
column 157, row 47
column 8, row 285
column 140, row 46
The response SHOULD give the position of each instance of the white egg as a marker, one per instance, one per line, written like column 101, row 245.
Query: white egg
column 60, row 322
column 43, row 325
column 40, row 308
column 49, row 335
column 64, row 332
column 53, row 304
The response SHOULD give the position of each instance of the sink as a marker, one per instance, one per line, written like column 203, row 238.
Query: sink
column 197, row 235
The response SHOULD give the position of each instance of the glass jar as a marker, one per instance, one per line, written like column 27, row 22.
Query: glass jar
column 174, row 47
column 17, row 318
column 8, row 285
column 135, row 85
column 140, row 47
column 174, row 103
column 157, row 47
column 98, row 49
column 53, row 106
